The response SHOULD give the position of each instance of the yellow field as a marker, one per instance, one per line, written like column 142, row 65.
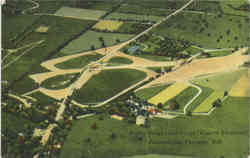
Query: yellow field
column 240, row 88
column 206, row 105
column 42, row 29
column 108, row 25
column 168, row 93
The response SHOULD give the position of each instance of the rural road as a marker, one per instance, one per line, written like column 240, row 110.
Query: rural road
column 36, row 5
column 133, row 39
column 197, row 95
column 85, row 68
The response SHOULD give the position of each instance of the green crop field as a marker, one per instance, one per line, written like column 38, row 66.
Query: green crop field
column 184, row 97
column 159, row 4
column 132, row 17
column 14, row 26
column 92, row 39
column 120, row 60
column 78, row 62
column 207, row 30
column 133, row 28
column 141, row 10
column 221, row 81
column 239, row 7
column 53, row 6
column 206, row 92
column 60, row 81
column 157, row 138
column 87, row 14
column 148, row 93
column 103, row 86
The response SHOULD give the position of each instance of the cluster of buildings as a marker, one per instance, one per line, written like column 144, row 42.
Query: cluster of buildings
column 141, row 109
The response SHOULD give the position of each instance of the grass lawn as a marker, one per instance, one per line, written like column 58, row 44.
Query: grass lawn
column 132, row 17
column 79, row 62
column 208, row 31
column 60, row 81
column 107, row 84
column 91, row 38
column 120, row 60
column 184, row 97
column 154, row 57
column 148, row 93
column 164, row 136
column 87, row 14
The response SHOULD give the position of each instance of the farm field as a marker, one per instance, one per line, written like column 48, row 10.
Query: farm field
column 240, row 7
column 240, row 88
column 205, row 93
column 108, row 25
column 132, row 17
column 141, row 10
column 148, row 93
column 125, row 78
column 92, row 39
column 128, row 141
column 57, row 35
column 78, row 62
column 87, row 14
column 14, row 26
column 220, row 83
column 102, row 87
column 50, row 7
column 206, row 30
column 183, row 98
column 168, row 93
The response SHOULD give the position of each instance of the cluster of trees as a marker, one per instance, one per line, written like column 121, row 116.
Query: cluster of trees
column 166, row 47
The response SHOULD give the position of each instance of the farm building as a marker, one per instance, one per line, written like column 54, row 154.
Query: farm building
column 140, row 120
column 117, row 117
column 133, row 49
